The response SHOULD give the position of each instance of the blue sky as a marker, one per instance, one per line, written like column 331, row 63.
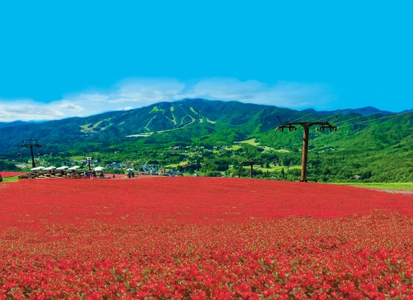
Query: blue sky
column 76, row 58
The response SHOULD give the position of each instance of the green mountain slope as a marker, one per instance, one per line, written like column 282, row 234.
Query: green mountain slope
column 210, row 116
column 376, row 147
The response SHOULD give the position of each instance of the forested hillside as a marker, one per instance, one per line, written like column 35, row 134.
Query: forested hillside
column 213, row 135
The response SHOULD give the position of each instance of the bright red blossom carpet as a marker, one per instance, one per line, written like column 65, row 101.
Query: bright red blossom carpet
column 197, row 238
column 9, row 174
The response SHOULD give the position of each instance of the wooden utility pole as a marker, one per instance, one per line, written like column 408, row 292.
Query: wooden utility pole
column 306, row 125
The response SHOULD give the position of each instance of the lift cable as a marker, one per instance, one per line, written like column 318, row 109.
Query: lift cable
column 359, row 117
column 382, row 118
column 301, row 117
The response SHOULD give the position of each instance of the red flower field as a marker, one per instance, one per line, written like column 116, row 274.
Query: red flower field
column 8, row 174
column 203, row 238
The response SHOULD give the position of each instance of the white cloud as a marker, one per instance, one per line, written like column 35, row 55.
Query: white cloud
column 286, row 94
column 139, row 92
column 65, row 105
column 27, row 110
column 143, row 90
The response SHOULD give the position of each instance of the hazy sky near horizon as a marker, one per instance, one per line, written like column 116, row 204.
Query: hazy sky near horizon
column 76, row 58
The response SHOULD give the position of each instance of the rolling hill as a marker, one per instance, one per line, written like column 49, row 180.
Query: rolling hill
column 195, row 114
column 378, row 145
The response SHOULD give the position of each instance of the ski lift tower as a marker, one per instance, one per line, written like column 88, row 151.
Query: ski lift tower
column 30, row 144
column 88, row 161
column 291, row 126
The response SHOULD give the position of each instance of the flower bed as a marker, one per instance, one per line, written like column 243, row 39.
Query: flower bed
column 10, row 174
column 198, row 238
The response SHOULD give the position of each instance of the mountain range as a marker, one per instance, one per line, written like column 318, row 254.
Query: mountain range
column 385, row 137
column 198, row 116
column 365, row 111
column 164, row 117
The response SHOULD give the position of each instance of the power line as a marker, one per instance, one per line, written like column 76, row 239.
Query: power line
column 356, row 118
column 328, row 117
column 301, row 117
column 384, row 117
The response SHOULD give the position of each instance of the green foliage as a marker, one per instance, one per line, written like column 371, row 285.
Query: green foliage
column 7, row 166
column 207, row 135
column 11, row 179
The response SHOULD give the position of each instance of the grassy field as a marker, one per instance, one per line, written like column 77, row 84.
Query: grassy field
column 407, row 186
column 11, row 179
column 233, row 148
column 275, row 168
column 252, row 142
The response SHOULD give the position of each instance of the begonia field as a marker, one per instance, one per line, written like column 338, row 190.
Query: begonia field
column 10, row 174
column 203, row 238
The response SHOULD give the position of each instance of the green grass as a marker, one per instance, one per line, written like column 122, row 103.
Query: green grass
column 274, row 168
column 178, row 164
column 250, row 142
column 407, row 186
column 78, row 158
column 233, row 147
column 282, row 150
column 10, row 179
